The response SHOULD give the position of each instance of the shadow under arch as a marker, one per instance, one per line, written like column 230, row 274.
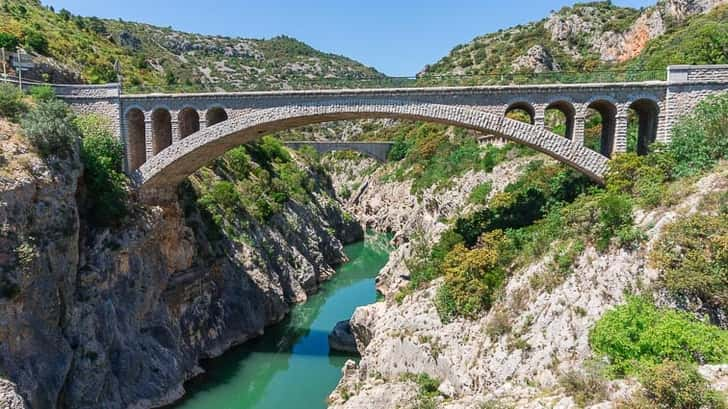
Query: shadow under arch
column 174, row 164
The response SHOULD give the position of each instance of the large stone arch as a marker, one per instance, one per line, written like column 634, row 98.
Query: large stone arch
column 164, row 171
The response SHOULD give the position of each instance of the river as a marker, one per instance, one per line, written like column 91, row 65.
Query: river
column 291, row 366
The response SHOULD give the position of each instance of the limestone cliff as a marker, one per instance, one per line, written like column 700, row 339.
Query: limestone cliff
column 515, row 354
column 119, row 317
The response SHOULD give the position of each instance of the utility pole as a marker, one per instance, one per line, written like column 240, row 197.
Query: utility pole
column 20, row 68
column 5, row 69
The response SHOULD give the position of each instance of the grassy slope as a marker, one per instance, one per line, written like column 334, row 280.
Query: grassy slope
column 161, row 58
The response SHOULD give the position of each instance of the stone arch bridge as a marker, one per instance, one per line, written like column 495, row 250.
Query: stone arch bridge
column 168, row 136
column 375, row 150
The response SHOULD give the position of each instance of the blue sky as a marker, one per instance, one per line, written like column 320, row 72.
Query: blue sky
column 397, row 37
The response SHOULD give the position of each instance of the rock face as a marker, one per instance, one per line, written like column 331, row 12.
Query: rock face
column 341, row 339
column 537, row 59
column 515, row 354
column 119, row 318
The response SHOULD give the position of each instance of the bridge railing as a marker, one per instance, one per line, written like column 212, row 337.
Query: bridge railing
column 426, row 80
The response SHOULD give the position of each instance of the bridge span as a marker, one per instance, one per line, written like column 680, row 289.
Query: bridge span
column 376, row 150
column 168, row 136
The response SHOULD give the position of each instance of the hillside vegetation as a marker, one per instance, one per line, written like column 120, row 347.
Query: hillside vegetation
column 157, row 58
column 592, row 37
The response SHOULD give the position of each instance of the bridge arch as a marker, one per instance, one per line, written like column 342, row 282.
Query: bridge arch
column 523, row 106
column 607, row 109
column 567, row 109
column 647, row 111
column 215, row 115
column 164, row 171
column 137, row 139
column 188, row 122
column 161, row 130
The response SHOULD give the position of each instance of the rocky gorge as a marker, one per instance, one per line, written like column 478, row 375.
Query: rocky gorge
column 518, row 353
column 86, row 310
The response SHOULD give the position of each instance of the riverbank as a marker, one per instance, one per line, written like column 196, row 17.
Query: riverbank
column 291, row 362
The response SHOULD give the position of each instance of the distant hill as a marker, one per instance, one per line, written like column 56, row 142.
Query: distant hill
column 84, row 49
column 598, row 36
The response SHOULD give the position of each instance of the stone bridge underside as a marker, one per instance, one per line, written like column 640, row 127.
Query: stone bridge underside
column 171, row 166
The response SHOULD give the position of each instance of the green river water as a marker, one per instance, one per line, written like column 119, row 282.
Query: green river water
column 290, row 367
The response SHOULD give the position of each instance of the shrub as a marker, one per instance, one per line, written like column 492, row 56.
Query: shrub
column 239, row 162
column 9, row 41
column 36, row 42
column 677, row 385
column 102, row 156
column 586, row 387
column 692, row 256
column 638, row 335
column 41, row 93
column 480, row 194
column 399, row 150
column 221, row 200
column 472, row 277
column 701, row 139
column 11, row 102
column 274, row 150
column 50, row 128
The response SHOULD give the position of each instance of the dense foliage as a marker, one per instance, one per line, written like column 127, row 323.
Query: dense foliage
column 11, row 102
column 148, row 55
column 431, row 155
column 49, row 127
column 102, row 156
column 639, row 335
column 256, row 179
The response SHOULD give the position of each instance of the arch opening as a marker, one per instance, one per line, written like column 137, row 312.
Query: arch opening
column 600, row 127
column 522, row 112
column 215, row 116
column 642, row 125
column 559, row 119
column 136, row 138
column 161, row 130
column 188, row 121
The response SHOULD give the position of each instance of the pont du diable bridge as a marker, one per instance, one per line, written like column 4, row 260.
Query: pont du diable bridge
column 167, row 137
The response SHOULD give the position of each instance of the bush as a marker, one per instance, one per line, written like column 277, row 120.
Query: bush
column 480, row 194
column 50, row 128
column 11, row 102
column 103, row 159
column 472, row 277
column 239, row 162
column 701, row 139
column 692, row 256
column 36, row 42
column 638, row 335
column 9, row 41
column 676, row 385
column 41, row 93
column 586, row 387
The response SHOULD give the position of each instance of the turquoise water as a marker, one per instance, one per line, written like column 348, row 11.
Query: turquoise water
column 291, row 366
